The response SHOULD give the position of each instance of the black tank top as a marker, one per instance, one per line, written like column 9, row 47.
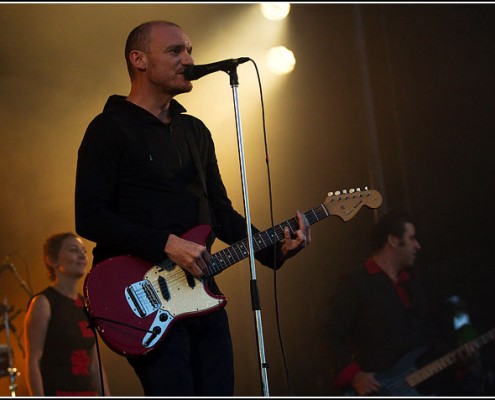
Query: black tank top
column 65, row 361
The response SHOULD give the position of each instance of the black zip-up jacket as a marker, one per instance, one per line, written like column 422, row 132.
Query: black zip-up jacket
column 137, row 182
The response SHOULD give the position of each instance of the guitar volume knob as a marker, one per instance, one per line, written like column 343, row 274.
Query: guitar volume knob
column 163, row 317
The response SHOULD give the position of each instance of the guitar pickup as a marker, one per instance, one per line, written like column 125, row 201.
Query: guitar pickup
column 162, row 284
column 142, row 298
column 190, row 280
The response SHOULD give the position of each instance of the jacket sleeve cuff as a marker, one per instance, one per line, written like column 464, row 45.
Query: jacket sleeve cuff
column 347, row 374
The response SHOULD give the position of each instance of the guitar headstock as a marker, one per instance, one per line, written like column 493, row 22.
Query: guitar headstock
column 347, row 203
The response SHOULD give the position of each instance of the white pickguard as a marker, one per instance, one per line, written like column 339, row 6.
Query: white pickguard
column 183, row 298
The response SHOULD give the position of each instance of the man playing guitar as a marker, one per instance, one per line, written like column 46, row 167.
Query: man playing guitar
column 381, row 310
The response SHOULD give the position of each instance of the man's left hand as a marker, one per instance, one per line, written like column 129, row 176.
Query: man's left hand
column 294, row 243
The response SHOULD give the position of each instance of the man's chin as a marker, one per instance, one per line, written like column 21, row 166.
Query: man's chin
column 185, row 88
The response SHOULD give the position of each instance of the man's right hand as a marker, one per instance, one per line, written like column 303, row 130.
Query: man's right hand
column 365, row 383
column 190, row 256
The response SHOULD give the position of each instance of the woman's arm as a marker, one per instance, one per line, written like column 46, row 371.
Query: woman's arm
column 35, row 327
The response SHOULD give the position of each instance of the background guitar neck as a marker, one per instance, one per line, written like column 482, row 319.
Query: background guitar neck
column 433, row 368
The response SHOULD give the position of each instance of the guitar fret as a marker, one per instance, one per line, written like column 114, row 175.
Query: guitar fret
column 313, row 214
column 233, row 255
column 267, row 240
column 227, row 257
column 213, row 266
column 272, row 234
column 279, row 232
column 288, row 225
column 223, row 261
column 322, row 212
column 244, row 249
column 258, row 241
column 239, row 250
column 294, row 225
column 316, row 214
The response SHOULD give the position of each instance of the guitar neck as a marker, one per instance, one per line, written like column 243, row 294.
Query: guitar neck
column 433, row 368
column 261, row 240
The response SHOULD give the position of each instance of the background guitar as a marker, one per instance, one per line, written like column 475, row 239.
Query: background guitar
column 403, row 377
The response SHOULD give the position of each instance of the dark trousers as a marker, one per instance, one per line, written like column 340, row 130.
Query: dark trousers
column 194, row 359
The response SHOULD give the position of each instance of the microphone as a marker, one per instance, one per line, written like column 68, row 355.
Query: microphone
column 193, row 72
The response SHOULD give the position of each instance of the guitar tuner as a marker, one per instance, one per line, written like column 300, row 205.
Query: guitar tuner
column 345, row 191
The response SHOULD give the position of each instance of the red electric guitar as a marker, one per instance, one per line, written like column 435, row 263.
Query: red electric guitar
column 132, row 303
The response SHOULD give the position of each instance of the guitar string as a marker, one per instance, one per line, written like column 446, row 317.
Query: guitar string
column 447, row 360
column 416, row 377
column 223, row 259
column 230, row 256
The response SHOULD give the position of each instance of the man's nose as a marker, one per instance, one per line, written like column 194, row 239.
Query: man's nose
column 187, row 59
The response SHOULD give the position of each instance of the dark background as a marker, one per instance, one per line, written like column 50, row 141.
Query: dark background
column 396, row 97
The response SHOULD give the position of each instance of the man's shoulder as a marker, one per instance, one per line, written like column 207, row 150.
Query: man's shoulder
column 353, row 276
column 354, row 272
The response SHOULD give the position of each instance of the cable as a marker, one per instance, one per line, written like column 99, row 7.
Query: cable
column 267, row 159
column 92, row 326
column 99, row 363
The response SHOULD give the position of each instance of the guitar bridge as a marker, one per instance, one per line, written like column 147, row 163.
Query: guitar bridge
column 142, row 298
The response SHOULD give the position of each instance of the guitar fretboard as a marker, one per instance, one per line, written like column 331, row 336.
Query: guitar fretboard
column 433, row 368
column 240, row 250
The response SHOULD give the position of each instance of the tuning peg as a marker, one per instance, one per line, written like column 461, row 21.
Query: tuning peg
column 366, row 188
column 330, row 194
column 344, row 191
column 351, row 191
column 358, row 190
column 337, row 192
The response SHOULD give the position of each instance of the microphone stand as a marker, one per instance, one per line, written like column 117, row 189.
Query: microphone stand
column 234, row 83
column 11, row 370
column 21, row 281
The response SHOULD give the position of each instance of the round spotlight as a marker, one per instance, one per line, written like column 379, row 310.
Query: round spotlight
column 275, row 11
column 281, row 60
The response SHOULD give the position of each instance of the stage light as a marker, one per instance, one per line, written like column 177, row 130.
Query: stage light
column 281, row 60
column 275, row 11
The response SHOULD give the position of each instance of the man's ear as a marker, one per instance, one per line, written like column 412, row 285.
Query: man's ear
column 138, row 59
column 393, row 241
